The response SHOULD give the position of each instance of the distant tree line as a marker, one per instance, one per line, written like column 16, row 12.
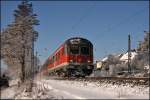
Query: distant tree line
column 144, row 45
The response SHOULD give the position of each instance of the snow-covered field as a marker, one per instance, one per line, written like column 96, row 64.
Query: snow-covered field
column 64, row 89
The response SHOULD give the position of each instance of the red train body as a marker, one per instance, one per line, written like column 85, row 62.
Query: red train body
column 73, row 58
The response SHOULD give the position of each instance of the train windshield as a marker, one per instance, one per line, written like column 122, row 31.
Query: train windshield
column 74, row 49
column 85, row 50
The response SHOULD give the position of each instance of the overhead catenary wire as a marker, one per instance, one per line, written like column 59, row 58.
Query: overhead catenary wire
column 84, row 16
column 126, row 20
column 123, row 21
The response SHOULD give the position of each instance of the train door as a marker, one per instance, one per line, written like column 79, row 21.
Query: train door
column 74, row 51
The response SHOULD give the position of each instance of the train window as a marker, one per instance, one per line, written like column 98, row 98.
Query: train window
column 74, row 49
column 49, row 61
column 63, row 51
column 85, row 50
column 53, row 58
column 58, row 55
column 66, row 48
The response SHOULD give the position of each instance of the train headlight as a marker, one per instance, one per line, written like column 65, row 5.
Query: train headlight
column 89, row 61
column 71, row 60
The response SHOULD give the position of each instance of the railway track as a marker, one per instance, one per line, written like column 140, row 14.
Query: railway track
column 113, row 80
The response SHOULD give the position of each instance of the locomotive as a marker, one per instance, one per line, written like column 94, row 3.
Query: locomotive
column 73, row 58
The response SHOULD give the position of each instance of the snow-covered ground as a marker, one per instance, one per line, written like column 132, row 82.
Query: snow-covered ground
column 94, row 90
column 9, row 93
column 64, row 89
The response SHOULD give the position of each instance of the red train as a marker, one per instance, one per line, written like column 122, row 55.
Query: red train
column 73, row 58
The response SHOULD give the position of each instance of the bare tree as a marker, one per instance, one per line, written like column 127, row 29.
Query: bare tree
column 17, row 39
column 144, row 45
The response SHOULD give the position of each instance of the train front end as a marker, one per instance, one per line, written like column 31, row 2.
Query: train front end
column 79, row 57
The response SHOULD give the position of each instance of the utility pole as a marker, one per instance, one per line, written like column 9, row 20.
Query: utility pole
column 129, row 54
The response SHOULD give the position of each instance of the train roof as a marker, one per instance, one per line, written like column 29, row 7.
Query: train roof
column 75, row 38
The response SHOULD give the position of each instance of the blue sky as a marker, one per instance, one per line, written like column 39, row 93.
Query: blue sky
column 105, row 23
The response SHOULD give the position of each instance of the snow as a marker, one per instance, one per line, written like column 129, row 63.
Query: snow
column 65, row 89
column 125, row 56
column 104, row 59
column 146, row 67
column 9, row 92
column 95, row 90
